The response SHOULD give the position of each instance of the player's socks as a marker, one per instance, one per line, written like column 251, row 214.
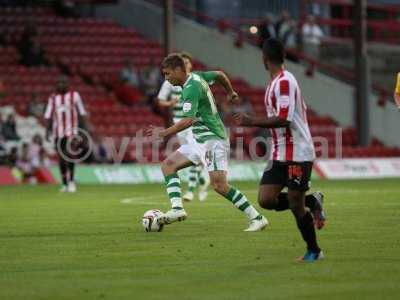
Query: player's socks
column 283, row 202
column 64, row 173
column 201, row 179
column 241, row 202
column 306, row 227
column 192, row 183
column 173, row 184
column 71, row 168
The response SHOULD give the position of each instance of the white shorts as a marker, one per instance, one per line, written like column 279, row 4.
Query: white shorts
column 185, row 136
column 213, row 154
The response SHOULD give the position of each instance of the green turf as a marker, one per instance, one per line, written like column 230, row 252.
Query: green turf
column 91, row 246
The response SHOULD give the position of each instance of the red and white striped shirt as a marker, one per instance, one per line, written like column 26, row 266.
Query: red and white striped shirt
column 63, row 109
column 283, row 99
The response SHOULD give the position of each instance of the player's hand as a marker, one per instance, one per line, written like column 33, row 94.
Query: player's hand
column 155, row 133
column 233, row 97
column 241, row 119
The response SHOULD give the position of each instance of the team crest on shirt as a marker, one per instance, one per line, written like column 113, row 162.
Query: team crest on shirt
column 187, row 107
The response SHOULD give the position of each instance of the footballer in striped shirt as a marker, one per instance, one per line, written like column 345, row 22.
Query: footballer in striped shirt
column 292, row 152
column 66, row 116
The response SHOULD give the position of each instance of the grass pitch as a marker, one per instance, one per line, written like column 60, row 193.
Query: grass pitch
column 91, row 245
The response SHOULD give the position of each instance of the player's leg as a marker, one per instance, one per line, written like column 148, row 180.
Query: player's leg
column 170, row 166
column 299, row 175
column 62, row 163
column 272, row 183
column 71, row 177
column 217, row 166
column 192, row 184
column 203, row 183
column 271, row 196
column 185, row 137
column 69, row 150
column 305, row 224
column 313, row 201
column 219, row 182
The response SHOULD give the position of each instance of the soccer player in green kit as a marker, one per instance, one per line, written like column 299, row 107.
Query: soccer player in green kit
column 211, row 145
column 169, row 96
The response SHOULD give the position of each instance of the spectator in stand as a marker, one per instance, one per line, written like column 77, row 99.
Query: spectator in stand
column 37, row 153
column 129, row 74
column 311, row 36
column 100, row 152
column 9, row 129
column 286, row 31
column 24, row 164
column 3, row 150
column 3, row 155
column 29, row 33
column 12, row 157
column 33, row 55
column 266, row 30
column 2, row 138
column 128, row 90
column 282, row 23
column 150, row 79
column 35, row 106
column 65, row 8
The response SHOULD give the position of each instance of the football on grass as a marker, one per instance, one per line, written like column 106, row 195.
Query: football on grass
column 151, row 220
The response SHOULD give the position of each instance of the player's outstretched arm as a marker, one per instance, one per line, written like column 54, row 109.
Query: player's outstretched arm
column 164, row 133
column 252, row 121
column 224, row 81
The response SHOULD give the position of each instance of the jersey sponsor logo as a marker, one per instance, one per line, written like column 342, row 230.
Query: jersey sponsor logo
column 187, row 107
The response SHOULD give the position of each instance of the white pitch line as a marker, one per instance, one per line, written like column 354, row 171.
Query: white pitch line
column 139, row 200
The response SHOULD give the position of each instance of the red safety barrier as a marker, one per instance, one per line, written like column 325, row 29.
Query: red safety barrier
column 43, row 175
column 6, row 177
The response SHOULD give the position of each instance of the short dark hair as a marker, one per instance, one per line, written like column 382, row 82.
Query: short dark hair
column 173, row 60
column 187, row 55
column 274, row 50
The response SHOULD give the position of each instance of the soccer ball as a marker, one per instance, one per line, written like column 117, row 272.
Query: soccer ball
column 151, row 220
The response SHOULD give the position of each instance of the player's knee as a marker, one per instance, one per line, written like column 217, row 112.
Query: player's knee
column 168, row 167
column 267, row 202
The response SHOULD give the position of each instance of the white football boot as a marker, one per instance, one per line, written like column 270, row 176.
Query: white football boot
column 189, row 196
column 71, row 187
column 257, row 224
column 173, row 215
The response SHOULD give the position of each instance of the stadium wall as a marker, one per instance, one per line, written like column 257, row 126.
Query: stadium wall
column 324, row 94
column 238, row 171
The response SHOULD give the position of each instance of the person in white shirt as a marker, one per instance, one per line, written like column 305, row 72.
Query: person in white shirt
column 312, row 35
